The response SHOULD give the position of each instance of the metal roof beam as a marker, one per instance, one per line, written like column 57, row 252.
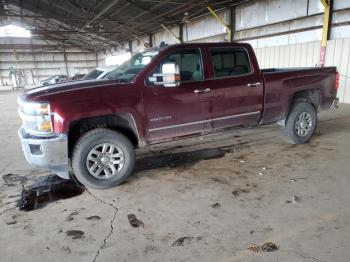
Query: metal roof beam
column 103, row 11
column 70, row 27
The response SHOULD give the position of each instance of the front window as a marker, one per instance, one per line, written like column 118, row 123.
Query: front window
column 127, row 71
column 189, row 62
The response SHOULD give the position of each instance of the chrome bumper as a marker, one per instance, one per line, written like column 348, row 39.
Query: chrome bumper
column 50, row 153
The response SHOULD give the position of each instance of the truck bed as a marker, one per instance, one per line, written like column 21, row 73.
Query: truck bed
column 290, row 69
column 281, row 85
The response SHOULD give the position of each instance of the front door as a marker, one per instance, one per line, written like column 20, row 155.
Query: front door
column 236, row 91
column 178, row 111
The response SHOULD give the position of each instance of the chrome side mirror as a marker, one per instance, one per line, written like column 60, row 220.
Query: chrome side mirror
column 170, row 76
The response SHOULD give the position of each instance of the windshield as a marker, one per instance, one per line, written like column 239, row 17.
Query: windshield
column 48, row 79
column 127, row 71
column 93, row 74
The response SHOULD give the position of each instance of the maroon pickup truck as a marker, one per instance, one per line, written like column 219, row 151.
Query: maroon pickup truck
column 89, row 129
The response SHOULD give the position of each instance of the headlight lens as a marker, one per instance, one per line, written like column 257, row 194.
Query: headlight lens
column 35, row 109
column 36, row 117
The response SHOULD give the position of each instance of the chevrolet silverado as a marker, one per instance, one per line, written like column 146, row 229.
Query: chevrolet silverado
column 89, row 130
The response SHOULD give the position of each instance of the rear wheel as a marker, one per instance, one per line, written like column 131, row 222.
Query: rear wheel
column 301, row 123
column 103, row 158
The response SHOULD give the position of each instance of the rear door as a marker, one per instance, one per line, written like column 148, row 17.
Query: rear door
column 177, row 111
column 236, row 87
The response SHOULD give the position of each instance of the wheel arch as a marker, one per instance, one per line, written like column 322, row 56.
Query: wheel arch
column 311, row 96
column 123, row 123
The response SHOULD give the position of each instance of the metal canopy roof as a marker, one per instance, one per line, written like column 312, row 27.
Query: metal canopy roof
column 98, row 24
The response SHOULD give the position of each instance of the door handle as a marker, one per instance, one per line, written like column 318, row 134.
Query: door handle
column 254, row 84
column 199, row 91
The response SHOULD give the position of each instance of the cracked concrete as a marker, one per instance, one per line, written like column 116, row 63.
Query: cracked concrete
column 213, row 209
column 304, row 256
column 111, row 231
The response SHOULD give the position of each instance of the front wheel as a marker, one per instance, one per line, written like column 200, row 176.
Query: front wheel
column 103, row 158
column 301, row 123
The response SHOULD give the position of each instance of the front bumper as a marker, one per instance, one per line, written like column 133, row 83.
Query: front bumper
column 50, row 153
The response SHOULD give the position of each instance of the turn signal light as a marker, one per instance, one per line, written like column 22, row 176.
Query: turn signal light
column 44, row 126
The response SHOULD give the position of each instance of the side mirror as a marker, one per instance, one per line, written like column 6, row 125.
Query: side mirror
column 170, row 76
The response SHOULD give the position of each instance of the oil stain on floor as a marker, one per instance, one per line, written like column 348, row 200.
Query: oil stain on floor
column 47, row 189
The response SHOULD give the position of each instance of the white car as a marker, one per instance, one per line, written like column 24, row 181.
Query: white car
column 98, row 73
column 55, row 79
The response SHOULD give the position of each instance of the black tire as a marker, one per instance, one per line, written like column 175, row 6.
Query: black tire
column 289, row 130
column 89, row 141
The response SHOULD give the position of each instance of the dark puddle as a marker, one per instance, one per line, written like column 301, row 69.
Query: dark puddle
column 75, row 234
column 93, row 218
column 47, row 189
column 216, row 205
column 134, row 222
column 185, row 241
column 266, row 247
column 183, row 158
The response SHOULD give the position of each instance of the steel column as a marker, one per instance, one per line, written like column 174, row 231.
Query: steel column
column 232, row 22
column 327, row 4
column 65, row 60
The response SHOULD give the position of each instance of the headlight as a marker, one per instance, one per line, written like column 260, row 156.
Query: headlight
column 36, row 117
column 34, row 109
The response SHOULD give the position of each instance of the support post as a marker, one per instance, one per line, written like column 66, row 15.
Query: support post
column 327, row 5
column 65, row 59
column 221, row 21
column 169, row 31
column 232, row 22
column 35, row 75
column 151, row 40
column 130, row 46
column 181, row 32
column 96, row 57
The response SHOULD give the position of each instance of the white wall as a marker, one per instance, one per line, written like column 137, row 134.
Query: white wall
column 277, row 26
column 206, row 28
column 279, row 30
column 38, row 65
column 308, row 54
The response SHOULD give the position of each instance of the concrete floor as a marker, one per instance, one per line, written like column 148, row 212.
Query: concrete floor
column 252, row 188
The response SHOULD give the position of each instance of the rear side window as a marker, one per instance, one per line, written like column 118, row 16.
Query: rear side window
column 230, row 62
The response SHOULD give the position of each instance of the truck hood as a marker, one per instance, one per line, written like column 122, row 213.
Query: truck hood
column 36, row 93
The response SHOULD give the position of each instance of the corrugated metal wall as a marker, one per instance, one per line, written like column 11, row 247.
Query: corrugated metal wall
column 40, row 65
column 307, row 54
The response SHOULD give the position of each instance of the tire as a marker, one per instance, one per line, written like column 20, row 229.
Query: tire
column 91, row 146
column 301, row 123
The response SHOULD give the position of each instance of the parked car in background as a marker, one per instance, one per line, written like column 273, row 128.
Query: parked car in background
column 92, row 127
column 98, row 73
column 76, row 77
column 55, row 79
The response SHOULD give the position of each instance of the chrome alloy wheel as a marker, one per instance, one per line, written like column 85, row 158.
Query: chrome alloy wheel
column 105, row 161
column 303, row 124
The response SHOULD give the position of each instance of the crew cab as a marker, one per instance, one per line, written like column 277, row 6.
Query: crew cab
column 89, row 129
